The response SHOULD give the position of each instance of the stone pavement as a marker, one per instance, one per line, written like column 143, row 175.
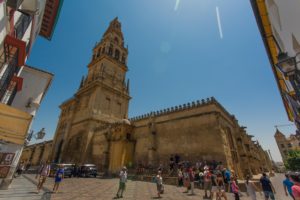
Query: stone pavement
column 23, row 189
column 105, row 189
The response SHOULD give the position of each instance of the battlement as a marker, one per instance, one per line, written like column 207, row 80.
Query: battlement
column 186, row 106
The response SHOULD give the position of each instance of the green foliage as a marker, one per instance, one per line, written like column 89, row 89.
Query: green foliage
column 293, row 160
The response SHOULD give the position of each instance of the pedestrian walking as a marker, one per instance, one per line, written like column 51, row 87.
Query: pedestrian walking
column 192, row 180
column 20, row 169
column 159, row 184
column 214, row 185
column 180, row 177
column 42, row 175
column 235, row 188
column 221, row 186
column 295, row 177
column 251, row 188
column 267, row 187
column 287, row 185
column 207, row 183
column 227, row 175
column 186, row 180
column 59, row 175
column 122, row 182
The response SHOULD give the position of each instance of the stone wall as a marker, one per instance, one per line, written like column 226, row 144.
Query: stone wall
column 192, row 131
column 37, row 153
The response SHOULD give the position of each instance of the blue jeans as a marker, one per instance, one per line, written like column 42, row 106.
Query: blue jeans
column 269, row 194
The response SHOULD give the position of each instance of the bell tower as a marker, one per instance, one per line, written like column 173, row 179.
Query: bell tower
column 107, row 74
column 102, row 99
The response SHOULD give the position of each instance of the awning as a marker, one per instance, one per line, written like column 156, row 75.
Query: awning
column 20, row 45
column 14, row 124
column 19, row 81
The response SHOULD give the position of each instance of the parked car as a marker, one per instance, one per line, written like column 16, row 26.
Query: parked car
column 68, row 169
column 88, row 170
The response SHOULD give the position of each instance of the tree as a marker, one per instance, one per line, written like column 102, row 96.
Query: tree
column 293, row 160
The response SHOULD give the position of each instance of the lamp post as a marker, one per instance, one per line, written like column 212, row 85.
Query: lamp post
column 38, row 135
column 288, row 65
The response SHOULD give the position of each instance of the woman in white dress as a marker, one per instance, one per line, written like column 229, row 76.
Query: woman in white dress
column 251, row 188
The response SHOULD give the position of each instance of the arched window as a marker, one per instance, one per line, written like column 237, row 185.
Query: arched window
column 103, row 50
column 116, row 40
column 117, row 54
column 123, row 59
column 99, row 52
column 110, row 51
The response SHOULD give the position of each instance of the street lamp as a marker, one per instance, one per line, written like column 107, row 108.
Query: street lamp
column 286, row 64
column 38, row 136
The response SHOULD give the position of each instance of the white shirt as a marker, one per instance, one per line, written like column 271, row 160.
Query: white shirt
column 123, row 176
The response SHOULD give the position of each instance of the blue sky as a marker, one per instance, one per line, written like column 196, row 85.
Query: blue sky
column 176, row 55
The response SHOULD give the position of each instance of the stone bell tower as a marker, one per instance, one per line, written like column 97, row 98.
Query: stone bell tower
column 108, row 70
column 101, row 100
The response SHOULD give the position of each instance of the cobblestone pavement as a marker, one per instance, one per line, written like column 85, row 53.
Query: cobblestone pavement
column 95, row 188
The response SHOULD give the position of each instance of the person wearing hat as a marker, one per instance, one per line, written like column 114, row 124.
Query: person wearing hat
column 122, row 182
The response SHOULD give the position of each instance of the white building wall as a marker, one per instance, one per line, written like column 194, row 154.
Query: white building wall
column 3, row 23
column 285, row 20
column 35, row 84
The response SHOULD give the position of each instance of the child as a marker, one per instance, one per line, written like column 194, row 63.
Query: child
column 58, row 177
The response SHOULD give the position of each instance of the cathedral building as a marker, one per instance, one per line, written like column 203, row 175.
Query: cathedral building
column 94, row 127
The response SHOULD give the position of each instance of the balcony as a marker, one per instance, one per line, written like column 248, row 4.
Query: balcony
column 14, row 46
column 22, row 25
column 15, row 4
column 8, row 74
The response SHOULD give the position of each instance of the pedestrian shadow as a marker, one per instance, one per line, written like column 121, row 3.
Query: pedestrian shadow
column 32, row 193
column 156, row 197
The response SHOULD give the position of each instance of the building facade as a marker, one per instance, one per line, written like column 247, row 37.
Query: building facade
column 286, row 144
column 22, row 87
column 280, row 30
column 94, row 127
column 37, row 154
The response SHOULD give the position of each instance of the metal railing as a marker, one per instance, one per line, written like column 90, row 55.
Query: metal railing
column 5, row 79
column 22, row 25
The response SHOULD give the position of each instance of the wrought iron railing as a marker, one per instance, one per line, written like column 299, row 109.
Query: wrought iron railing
column 22, row 25
column 12, row 95
column 8, row 74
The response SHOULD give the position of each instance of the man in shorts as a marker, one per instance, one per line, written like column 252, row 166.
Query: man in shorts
column 267, row 187
column 122, row 183
column 207, row 183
